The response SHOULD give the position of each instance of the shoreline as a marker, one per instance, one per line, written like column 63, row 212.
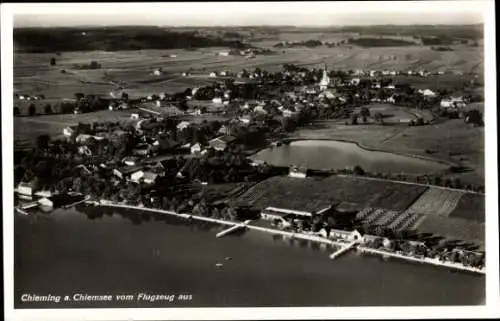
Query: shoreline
column 426, row 260
column 313, row 238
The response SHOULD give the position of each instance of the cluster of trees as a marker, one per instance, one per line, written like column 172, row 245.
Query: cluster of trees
column 379, row 42
column 311, row 43
column 105, row 38
column 442, row 48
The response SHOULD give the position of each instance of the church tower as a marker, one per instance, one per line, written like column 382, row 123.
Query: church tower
column 325, row 81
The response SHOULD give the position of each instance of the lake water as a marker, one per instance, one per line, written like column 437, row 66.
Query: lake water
column 320, row 154
column 100, row 252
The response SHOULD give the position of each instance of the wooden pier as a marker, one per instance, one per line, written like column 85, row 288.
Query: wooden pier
column 343, row 250
column 233, row 229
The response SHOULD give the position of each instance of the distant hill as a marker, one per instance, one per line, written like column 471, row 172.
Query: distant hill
column 112, row 39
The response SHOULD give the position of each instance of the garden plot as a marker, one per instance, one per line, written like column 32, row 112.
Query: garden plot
column 437, row 201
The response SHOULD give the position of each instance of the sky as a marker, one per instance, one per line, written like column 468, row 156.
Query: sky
column 241, row 13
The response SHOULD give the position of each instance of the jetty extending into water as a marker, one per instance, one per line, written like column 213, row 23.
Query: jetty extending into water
column 233, row 228
column 343, row 250
column 310, row 237
column 77, row 202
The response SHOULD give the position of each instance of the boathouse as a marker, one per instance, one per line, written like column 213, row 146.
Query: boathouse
column 349, row 236
column 272, row 213
column 25, row 188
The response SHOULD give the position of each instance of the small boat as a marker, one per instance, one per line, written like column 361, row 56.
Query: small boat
column 227, row 258
column 219, row 265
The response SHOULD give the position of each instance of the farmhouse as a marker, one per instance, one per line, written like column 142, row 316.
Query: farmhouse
column 222, row 142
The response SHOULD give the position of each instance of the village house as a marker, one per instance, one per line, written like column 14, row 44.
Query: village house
column 126, row 171
column 427, row 93
column 141, row 150
column 68, row 131
column 222, row 142
column 84, row 150
column 213, row 74
column 130, row 161
column 195, row 148
column 224, row 130
column 260, row 110
column 453, row 102
column 355, row 81
column 348, row 236
column 391, row 100
column 297, row 172
column 146, row 176
column 245, row 119
column 183, row 125
column 224, row 53
column 217, row 100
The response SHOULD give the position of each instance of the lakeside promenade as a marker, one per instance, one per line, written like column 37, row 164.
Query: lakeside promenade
column 309, row 237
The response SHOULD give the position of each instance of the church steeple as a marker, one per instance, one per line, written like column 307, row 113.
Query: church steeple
column 325, row 81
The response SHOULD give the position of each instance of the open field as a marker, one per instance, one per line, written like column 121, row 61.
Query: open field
column 133, row 69
column 437, row 201
column 470, row 207
column 26, row 129
column 454, row 228
column 394, row 114
column 303, row 194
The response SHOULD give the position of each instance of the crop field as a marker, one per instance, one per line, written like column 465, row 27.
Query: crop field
column 437, row 201
column 394, row 196
column 471, row 207
column 454, row 228
column 26, row 129
column 304, row 194
column 390, row 219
